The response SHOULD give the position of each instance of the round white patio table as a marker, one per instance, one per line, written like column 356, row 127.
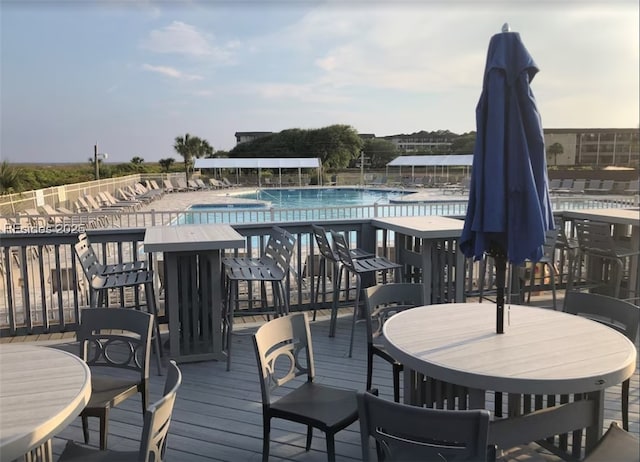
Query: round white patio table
column 542, row 352
column 41, row 391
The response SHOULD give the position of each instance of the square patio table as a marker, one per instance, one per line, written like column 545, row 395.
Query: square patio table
column 193, row 285
column 428, row 230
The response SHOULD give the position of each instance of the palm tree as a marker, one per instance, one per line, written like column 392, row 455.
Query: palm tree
column 9, row 178
column 555, row 150
column 190, row 147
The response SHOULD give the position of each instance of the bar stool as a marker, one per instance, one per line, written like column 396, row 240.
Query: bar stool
column 607, row 260
column 328, row 254
column 357, row 268
column 272, row 267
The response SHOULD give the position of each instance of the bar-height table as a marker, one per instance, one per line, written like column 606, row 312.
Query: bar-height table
column 542, row 352
column 428, row 230
column 619, row 218
column 193, row 288
column 41, row 391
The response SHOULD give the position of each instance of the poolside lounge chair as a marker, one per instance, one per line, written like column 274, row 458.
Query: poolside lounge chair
column 182, row 185
column 201, row 184
column 565, row 186
column 554, row 184
column 593, row 186
column 216, row 184
column 228, row 184
column 633, row 188
column 168, row 186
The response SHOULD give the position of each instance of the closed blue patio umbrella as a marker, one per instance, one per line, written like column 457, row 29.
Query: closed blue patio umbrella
column 509, row 209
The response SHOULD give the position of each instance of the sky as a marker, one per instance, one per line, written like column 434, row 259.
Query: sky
column 131, row 76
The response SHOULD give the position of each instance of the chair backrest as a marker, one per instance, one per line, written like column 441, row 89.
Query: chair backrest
column 407, row 432
column 116, row 338
column 324, row 246
column 283, row 351
column 550, row 240
column 594, row 236
column 342, row 249
column 88, row 259
column 615, row 444
column 607, row 185
column 279, row 248
column 384, row 300
column 619, row 314
column 157, row 419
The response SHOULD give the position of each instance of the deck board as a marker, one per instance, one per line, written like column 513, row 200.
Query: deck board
column 218, row 414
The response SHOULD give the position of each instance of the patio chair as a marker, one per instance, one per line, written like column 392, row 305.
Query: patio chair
column 554, row 184
column 403, row 432
column 593, row 186
column 155, row 429
column 168, row 186
column 616, row 445
column 272, row 267
column 116, row 344
column 565, row 186
column 633, row 188
column 228, row 184
column 357, row 267
column 382, row 302
column 328, row 254
column 286, row 341
column 618, row 314
column 102, row 278
column 607, row 259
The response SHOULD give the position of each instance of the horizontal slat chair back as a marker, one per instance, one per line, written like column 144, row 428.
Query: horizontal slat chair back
column 595, row 237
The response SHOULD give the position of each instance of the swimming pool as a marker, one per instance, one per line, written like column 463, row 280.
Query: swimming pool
column 323, row 197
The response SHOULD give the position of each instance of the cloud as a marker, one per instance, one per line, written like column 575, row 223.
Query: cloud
column 184, row 39
column 171, row 72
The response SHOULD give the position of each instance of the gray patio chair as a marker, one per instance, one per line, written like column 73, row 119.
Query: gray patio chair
column 103, row 278
column 284, row 352
column 618, row 314
column 593, row 186
column 155, row 429
column 403, row 432
column 633, row 188
column 329, row 255
column 608, row 260
column 357, row 267
column 616, row 445
column 272, row 267
column 116, row 344
column 382, row 302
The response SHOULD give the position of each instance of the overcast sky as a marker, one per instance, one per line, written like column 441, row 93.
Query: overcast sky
column 133, row 75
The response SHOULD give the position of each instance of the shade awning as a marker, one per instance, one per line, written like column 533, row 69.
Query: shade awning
column 429, row 161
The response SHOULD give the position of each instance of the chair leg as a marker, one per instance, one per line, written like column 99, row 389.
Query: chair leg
column 149, row 294
column 85, row 428
column 625, row 404
column 232, row 285
column 369, row 368
column 309, row 437
column 334, row 307
column 355, row 312
column 266, row 434
column 397, row 368
column 104, row 428
column 331, row 448
column 322, row 272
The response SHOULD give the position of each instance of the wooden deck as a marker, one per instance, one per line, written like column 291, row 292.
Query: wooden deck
column 218, row 414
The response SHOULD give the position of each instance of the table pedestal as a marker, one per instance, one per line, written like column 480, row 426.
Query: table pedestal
column 193, row 301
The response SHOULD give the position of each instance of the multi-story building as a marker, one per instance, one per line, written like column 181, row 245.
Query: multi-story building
column 422, row 141
column 243, row 137
column 598, row 147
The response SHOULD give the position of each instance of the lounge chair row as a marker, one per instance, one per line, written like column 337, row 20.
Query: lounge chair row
column 595, row 186
column 198, row 184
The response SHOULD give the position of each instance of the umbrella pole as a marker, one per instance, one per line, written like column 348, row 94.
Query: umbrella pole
column 501, row 269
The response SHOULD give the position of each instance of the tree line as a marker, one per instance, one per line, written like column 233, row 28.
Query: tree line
column 337, row 147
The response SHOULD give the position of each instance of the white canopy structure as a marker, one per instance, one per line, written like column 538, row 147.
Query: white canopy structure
column 443, row 161
column 260, row 163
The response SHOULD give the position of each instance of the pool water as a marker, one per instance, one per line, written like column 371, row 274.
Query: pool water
column 319, row 197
